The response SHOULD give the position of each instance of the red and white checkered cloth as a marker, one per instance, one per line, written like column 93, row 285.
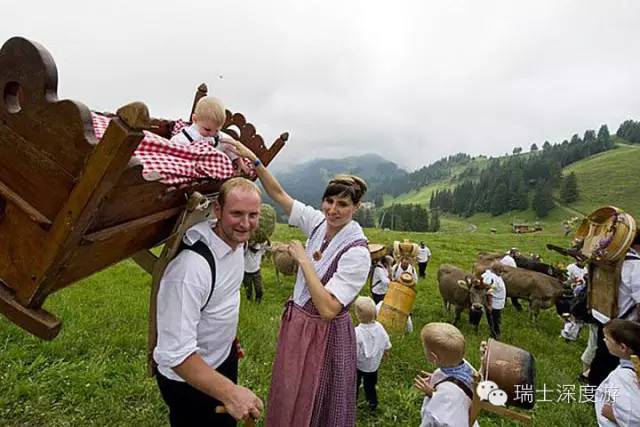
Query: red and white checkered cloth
column 177, row 163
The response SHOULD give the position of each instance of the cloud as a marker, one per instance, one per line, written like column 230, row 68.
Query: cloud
column 412, row 81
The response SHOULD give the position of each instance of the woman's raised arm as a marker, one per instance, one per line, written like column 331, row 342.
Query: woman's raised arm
column 269, row 182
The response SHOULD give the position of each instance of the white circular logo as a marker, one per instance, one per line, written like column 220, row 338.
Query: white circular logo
column 484, row 388
column 498, row 397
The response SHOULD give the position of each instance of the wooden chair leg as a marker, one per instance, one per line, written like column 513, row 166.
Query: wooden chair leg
column 37, row 321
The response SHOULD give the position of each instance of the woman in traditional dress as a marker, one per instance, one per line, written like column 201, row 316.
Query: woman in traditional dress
column 313, row 381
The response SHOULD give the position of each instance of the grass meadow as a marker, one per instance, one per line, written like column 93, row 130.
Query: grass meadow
column 94, row 373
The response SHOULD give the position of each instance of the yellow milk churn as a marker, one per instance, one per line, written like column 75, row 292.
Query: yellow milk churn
column 398, row 303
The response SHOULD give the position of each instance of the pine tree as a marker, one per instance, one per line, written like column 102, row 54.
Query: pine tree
column 435, row 221
column 543, row 199
column 534, row 147
column 569, row 189
column 604, row 138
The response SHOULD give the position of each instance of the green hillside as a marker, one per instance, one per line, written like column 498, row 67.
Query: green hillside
column 603, row 179
column 609, row 178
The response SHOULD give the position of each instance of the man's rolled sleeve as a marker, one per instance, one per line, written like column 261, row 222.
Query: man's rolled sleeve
column 178, row 311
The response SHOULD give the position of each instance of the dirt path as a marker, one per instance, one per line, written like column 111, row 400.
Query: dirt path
column 568, row 209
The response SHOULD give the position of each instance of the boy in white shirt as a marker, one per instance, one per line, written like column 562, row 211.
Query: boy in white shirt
column 372, row 344
column 207, row 121
column 617, row 398
column 449, row 390
column 496, row 298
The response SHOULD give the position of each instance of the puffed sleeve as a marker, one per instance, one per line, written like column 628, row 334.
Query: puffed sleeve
column 184, row 289
column 306, row 218
column 351, row 275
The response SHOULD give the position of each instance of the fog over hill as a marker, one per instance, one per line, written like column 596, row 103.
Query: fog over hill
column 306, row 181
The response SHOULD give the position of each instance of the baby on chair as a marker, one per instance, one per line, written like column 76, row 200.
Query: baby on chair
column 207, row 121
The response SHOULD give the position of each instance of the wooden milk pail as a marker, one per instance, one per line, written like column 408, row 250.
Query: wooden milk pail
column 405, row 248
column 398, row 304
column 604, row 237
column 513, row 370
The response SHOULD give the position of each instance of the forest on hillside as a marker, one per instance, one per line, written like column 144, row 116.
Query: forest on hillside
column 519, row 182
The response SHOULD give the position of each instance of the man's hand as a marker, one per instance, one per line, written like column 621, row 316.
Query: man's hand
column 242, row 403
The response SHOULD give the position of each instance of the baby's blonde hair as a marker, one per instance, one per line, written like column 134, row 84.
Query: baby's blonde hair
column 210, row 108
column 444, row 340
column 365, row 309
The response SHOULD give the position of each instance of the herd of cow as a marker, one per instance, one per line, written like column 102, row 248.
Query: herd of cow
column 540, row 284
column 534, row 281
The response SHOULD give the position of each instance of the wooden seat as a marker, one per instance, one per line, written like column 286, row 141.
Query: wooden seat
column 71, row 205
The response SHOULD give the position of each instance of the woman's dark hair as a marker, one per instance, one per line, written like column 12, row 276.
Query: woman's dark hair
column 625, row 332
column 346, row 185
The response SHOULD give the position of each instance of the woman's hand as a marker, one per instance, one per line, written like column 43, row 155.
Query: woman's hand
column 238, row 148
column 296, row 250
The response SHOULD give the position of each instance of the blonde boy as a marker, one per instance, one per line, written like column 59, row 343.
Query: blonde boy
column 617, row 398
column 372, row 343
column 449, row 390
column 207, row 121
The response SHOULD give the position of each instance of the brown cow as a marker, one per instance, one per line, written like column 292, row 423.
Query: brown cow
column 283, row 262
column 463, row 291
column 539, row 289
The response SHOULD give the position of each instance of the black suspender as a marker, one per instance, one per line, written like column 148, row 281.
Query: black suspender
column 186, row 134
column 203, row 250
column 216, row 137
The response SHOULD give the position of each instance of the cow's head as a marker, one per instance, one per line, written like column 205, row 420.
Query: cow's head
column 477, row 292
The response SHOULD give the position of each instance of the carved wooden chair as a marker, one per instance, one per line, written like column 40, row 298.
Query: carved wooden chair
column 71, row 205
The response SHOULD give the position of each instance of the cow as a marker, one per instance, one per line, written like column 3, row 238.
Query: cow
column 283, row 262
column 463, row 291
column 535, row 263
column 539, row 289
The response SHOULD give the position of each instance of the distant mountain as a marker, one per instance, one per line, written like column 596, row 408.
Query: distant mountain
column 306, row 181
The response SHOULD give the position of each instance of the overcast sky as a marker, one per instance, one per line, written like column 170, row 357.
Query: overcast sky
column 410, row 80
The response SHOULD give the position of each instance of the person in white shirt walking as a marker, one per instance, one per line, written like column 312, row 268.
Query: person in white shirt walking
column 496, row 298
column 198, row 307
column 252, row 279
column 372, row 343
column 424, row 254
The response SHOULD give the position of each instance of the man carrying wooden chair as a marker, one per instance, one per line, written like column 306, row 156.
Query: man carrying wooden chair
column 197, row 309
